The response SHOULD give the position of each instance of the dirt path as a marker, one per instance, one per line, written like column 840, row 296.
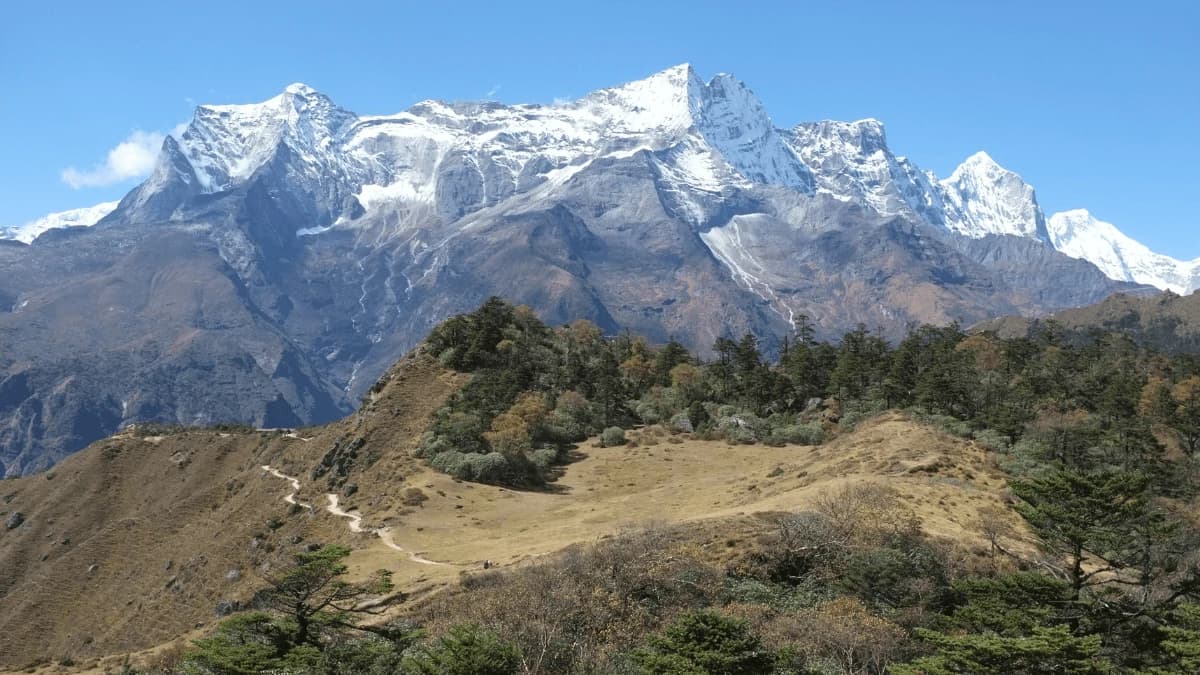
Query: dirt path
column 355, row 520
column 290, row 497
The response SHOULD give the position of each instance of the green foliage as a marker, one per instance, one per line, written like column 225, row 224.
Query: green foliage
column 906, row 575
column 612, row 437
column 800, row 434
column 1078, row 515
column 313, row 597
column 705, row 642
column 465, row 650
column 492, row 467
column 1045, row 651
column 252, row 643
column 1182, row 641
column 1076, row 420
column 1010, row 605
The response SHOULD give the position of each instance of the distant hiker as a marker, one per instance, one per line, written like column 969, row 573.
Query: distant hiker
column 487, row 564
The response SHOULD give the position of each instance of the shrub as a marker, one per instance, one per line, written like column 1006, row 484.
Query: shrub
column 705, row 642
column 682, row 422
column 801, row 434
column 465, row 650
column 544, row 458
column 951, row 425
column 993, row 440
column 855, row 412
column 658, row 405
column 413, row 496
column 492, row 467
column 738, row 426
column 612, row 436
column 845, row 633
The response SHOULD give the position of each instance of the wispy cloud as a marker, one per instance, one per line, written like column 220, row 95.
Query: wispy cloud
column 133, row 157
column 491, row 93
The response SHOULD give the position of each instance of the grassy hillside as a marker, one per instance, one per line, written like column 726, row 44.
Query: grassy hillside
column 576, row 503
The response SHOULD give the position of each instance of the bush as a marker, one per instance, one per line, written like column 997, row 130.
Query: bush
column 413, row 496
column 843, row 632
column 612, row 436
column 658, row 405
column 855, row 412
column 951, row 425
column 492, row 467
column 682, row 422
column 800, row 434
column 544, row 459
column 992, row 440
column 465, row 650
column 739, row 426
column 705, row 642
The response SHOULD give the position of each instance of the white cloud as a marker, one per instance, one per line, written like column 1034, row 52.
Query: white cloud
column 133, row 157
column 493, row 91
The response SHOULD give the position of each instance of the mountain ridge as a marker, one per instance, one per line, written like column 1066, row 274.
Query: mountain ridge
column 309, row 247
column 224, row 144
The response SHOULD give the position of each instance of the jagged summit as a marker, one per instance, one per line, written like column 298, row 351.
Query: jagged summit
column 703, row 137
column 983, row 198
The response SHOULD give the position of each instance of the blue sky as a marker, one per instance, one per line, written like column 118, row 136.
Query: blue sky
column 1094, row 103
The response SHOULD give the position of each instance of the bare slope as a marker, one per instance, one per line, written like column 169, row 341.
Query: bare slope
column 139, row 538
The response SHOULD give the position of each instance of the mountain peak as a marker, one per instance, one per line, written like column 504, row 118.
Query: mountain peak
column 980, row 158
column 985, row 198
column 983, row 166
column 300, row 89
column 84, row 217
column 1079, row 234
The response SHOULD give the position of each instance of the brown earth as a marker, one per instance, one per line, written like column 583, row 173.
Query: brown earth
column 130, row 544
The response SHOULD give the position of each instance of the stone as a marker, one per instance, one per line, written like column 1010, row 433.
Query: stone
column 14, row 520
column 227, row 607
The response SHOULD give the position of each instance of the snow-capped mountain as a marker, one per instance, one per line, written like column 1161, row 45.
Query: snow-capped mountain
column 981, row 198
column 456, row 157
column 448, row 159
column 282, row 254
column 85, row 217
column 1079, row 234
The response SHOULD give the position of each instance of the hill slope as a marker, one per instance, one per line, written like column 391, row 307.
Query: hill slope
column 1167, row 323
column 137, row 539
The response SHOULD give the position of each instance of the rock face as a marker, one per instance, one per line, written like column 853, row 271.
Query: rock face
column 283, row 254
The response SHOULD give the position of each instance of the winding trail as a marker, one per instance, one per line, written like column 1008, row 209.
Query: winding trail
column 290, row 497
column 355, row 520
